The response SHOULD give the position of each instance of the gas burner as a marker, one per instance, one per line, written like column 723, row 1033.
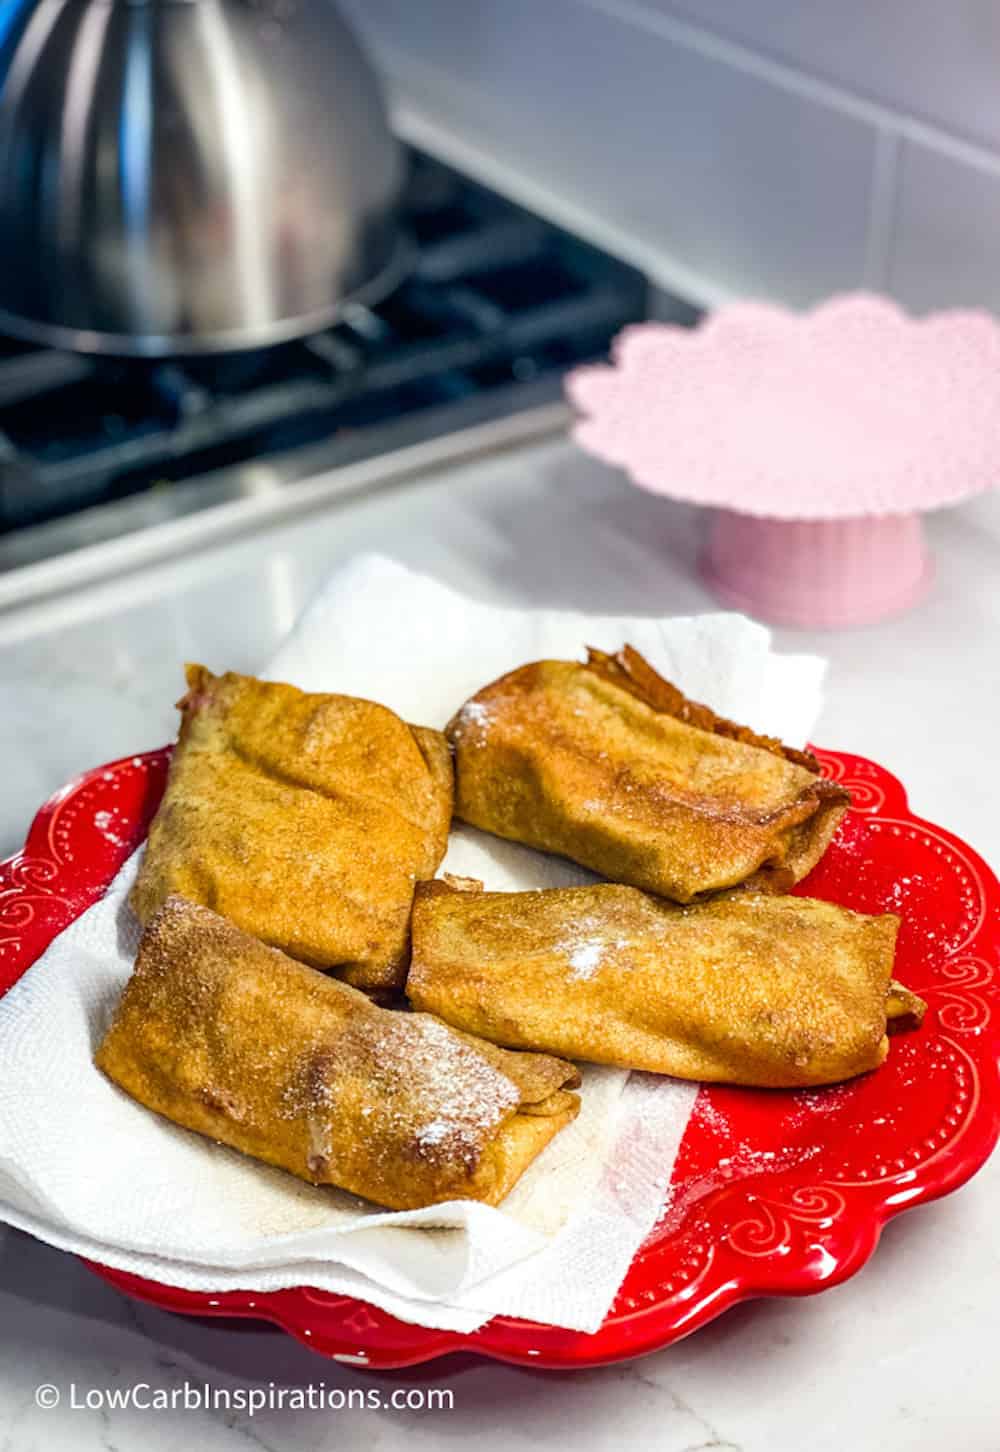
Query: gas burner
column 499, row 304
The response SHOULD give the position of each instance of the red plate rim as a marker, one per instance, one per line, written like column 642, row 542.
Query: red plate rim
column 798, row 1232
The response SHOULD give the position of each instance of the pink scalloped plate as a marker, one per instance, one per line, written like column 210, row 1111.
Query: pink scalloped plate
column 774, row 1193
column 849, row 410
column 816, row 438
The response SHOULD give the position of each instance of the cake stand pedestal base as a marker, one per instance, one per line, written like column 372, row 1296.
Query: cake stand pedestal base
column 817, row 574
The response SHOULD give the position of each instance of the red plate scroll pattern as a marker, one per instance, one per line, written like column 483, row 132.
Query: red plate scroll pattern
column 773, row 1193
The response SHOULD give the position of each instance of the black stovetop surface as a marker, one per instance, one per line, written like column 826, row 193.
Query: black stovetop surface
column 497, row 298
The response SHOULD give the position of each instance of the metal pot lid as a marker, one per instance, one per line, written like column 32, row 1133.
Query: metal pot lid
column 181, row 176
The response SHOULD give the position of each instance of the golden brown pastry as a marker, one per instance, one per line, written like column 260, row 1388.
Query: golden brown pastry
column 228, row 1037
column 743, row 988
column 608, row 764
column 304, row 819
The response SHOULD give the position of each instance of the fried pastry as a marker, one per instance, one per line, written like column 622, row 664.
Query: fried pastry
column 743, row 988
column 226, row 1036
column 304, row 819
column 610, row 765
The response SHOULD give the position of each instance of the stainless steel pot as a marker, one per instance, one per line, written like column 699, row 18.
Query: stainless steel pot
column 188, row 175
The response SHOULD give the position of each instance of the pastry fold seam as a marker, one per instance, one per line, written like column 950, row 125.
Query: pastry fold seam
column 232, row 1039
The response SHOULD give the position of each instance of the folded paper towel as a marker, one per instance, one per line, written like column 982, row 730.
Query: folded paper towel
column 83, row 1167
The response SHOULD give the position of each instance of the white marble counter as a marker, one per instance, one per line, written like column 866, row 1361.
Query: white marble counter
column 901, row 1359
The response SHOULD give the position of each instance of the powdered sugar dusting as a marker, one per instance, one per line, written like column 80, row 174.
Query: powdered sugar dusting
column 590, row 945
column 103, row 822
column 903, row 889
column 456, row 1098
column 427, row 1092
column 435, row 1132
column 711, row 1116
column 744, row 1163
column 585, row 959
column 474, row 713
column 474, row 721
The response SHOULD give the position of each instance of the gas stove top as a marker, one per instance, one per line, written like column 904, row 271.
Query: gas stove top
column 498, row 305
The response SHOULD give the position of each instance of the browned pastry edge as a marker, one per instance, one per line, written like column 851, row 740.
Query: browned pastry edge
column 188, row 1040
column 456, row 883
column 383, row 983
column 197, row 677
column 632, row 672
column 904, row 1009
column 496, row 968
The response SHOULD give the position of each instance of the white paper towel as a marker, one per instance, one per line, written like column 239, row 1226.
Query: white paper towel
column 85, row 1168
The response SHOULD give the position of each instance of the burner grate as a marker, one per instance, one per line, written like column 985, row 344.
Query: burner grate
column 497, row 298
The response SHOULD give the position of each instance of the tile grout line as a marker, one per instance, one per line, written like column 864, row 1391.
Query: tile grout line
column 786, row 77
column 782, row 76
column 425, row 125
column 663, row 268
column 737, row 55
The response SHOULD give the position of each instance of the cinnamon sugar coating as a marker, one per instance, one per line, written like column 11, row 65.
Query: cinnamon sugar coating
column 305, row 819
column 226, row 1036
column 608, row 764
column 742, row 988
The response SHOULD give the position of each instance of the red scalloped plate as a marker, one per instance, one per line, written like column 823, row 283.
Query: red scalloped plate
column 773, row 1193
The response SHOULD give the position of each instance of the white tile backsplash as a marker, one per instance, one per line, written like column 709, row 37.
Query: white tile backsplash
column 782, row 148
column 936, row 60
column 946, row 248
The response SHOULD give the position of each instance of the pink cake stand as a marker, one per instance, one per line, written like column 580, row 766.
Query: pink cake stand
column 818, row 440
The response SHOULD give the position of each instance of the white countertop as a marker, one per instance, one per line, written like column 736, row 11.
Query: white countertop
column 901, row 1357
